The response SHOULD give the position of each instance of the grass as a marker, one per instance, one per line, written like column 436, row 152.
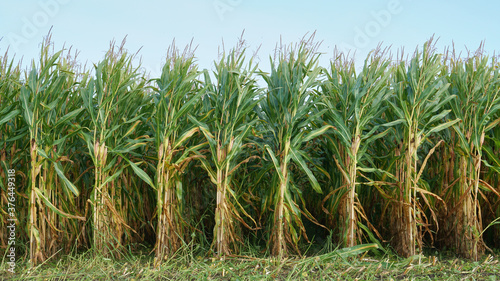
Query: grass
column 189, row 264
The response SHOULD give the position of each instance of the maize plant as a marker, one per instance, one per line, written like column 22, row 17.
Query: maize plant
column 47, row 109
column 106, row 159
column 418, row 110
column 287, row 115
column 113, row 101
column 175, row 98
column 476, row 84
column 355, row 104
column 228, row 120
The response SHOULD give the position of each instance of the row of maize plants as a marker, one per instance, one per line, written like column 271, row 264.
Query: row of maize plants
column 403, row 152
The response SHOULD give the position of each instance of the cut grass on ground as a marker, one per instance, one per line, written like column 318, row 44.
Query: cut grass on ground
column 193, row 266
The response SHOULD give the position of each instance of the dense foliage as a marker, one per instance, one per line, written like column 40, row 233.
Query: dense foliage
column 403, row 153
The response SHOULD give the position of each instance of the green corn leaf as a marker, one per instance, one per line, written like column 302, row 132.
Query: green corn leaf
column 139, row 172
column 442, row 126
column 297, row 157
column 9, row 116
column 54, row 208
column 69, row 185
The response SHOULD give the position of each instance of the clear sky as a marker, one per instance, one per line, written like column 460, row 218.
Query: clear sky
column 358, row 26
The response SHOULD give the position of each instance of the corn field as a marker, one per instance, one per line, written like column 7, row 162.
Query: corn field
column 403, row 152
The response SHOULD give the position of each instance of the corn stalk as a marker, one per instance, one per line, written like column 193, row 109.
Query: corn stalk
column 176, row 97
column 418, row 107
column 355, row 104
column 288, row 115
column 48, row 111
column 226, row 124
column 113, row 101
column 476, row 84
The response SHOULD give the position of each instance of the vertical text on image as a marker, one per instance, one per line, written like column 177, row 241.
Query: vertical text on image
column 11, row 221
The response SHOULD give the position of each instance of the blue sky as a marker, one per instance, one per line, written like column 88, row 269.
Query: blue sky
column 358, row 26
